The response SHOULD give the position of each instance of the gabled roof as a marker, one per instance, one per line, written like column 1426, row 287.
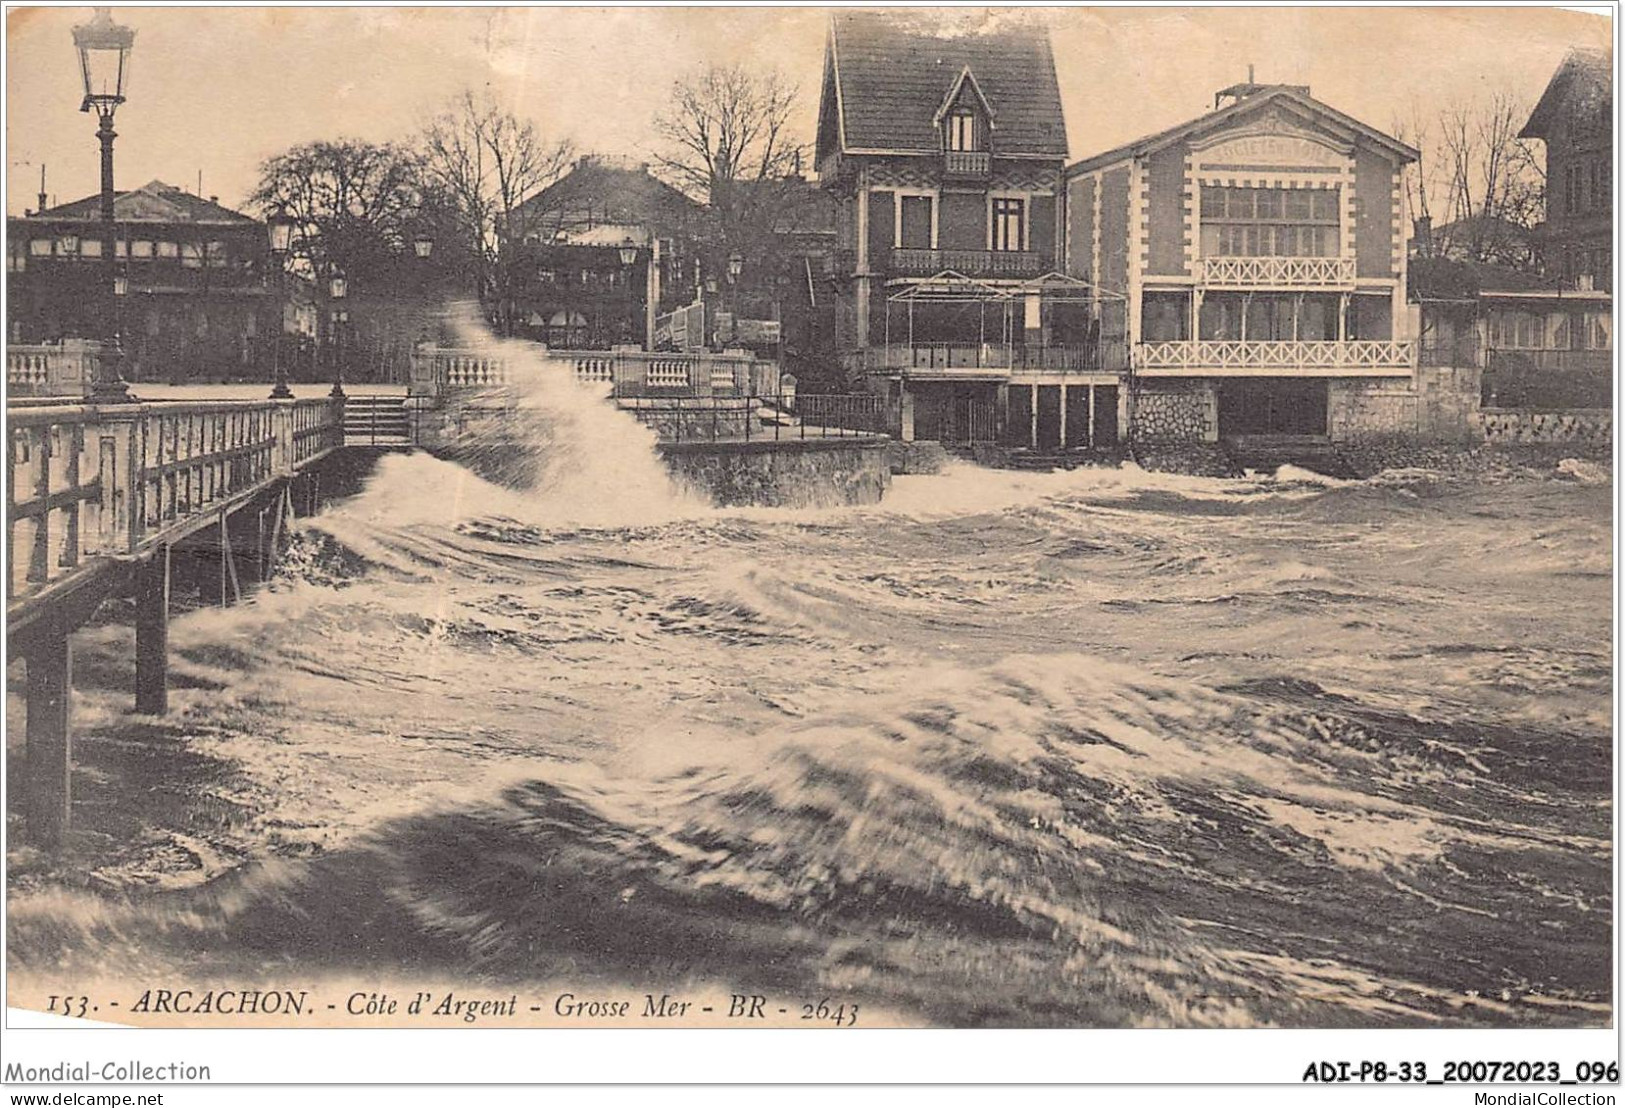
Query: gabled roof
column 1585, row 73
column 153, row 202
column 1289, row 95
column 890, row 72
column 598, row 191
column 965, row 77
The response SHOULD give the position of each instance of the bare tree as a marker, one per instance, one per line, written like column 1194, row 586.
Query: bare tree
column 488, row 166
column 727, row 141
column 1493, row 183
column 353, row 203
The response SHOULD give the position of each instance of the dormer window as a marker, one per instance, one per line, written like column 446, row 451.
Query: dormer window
column 962, row 130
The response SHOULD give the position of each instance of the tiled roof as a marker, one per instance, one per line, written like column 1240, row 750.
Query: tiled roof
column 603, row 192
column 1585, row 73
column 153, row 202
column 1445, row 279
column 893, row 71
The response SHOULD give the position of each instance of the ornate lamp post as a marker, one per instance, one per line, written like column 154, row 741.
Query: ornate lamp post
column 104, row 62
column 279, row 229
column 629, row 258
column 337, row 289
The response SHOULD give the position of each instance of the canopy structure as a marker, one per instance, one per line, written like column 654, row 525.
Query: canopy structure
column 954, row 288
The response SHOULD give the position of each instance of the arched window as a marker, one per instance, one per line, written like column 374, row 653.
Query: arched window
column 962, row 130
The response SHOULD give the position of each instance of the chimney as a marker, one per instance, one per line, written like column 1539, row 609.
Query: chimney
column 214, row 200
column 42, row 197
column 1423, row 236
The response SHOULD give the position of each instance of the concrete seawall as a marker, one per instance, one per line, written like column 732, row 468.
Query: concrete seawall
column 794, row 473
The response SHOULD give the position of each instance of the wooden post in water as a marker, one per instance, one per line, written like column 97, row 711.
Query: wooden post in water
column 49, row 753
column 152, row 633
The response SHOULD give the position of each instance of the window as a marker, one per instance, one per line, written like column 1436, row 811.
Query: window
column 90, row 248
column 40, row 248
column 1270, row 222
column 140, row 248
column 121, row 248
column 191, row 255
column 215, row 255
column 914, row 222
column 168, row 250
column 962, row 129
column 1009, row 224
column 1571, row 189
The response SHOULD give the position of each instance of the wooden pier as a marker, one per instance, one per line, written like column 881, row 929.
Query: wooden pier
column 97, row 498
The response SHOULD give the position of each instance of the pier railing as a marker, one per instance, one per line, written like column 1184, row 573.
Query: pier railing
column 85, row 482
column 628, row 373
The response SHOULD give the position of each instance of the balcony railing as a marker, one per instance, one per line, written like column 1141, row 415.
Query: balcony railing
column 1269, row 272
column 967, row 165
column 1327, row 359
column 947, row 359
column 912, row 262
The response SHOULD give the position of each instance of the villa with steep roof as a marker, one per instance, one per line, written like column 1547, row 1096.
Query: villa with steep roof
column 945, row 151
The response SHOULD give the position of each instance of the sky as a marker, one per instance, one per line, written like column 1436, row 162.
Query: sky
column 217, row 90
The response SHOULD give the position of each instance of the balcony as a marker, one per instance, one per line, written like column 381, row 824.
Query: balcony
column 966, row 165
column 984, row 361
column 1276, row 273
column 1271, row 358
column 907, row 262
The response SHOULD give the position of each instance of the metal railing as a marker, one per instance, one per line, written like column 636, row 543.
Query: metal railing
column 915, row 262
column 1107, row 356
column 1208, row 355
column 1587, row 361
column 774, row 418
column 84, row 482
column 1272, row 272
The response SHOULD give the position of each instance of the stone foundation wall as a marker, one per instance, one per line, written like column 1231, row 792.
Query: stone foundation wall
column 814, row 473
column 1580, row 426
column 1359, row 409
column 1447, row 404
column 1176, row 411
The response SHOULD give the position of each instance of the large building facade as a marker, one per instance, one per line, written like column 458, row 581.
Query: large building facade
column 945, row 154
column 1261, row 254
column 200, row 302
column 1574, row 118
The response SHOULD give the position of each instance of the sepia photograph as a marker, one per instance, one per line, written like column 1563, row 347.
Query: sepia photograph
column 824, row 518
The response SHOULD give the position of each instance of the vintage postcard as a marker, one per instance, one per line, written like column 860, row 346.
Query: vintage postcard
column 824, row 517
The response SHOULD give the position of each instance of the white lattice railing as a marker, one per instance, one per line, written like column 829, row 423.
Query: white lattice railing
column 1218, row 354
column 1239, row 272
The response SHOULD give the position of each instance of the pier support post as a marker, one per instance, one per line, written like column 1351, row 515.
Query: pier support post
column 152, row 634
column 49, row 753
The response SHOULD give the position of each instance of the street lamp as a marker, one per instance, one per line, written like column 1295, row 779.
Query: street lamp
column 279, row 230
column 337, row 289
column 423, row 245
column 736, row 266
column 629, row 258
column 104, row 63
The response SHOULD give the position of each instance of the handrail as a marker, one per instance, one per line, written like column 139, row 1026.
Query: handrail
column 91, row 481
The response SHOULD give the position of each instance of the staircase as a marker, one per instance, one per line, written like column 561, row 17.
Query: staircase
column 376, row 420
column 1267, row 453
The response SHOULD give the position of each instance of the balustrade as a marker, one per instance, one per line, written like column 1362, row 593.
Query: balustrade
column 1277, row 272
column 630, row 372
